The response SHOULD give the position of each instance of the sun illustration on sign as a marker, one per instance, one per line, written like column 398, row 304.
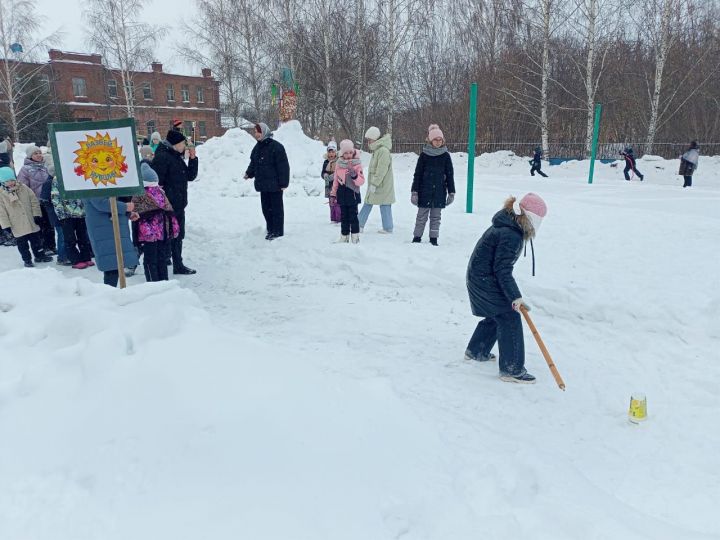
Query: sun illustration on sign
column 100, row 160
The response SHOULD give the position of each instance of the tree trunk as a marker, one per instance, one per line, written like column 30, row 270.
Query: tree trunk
column 547, row 5
column 392, row 71
column 590, row 75
column 661, row 52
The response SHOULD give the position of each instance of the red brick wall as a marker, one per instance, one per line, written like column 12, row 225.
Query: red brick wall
column 100, row 106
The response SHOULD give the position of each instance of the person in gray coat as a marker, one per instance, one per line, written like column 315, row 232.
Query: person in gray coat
column 689, row 162
column 98, row 219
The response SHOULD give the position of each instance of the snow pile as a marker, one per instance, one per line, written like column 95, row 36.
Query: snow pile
column 224, row 160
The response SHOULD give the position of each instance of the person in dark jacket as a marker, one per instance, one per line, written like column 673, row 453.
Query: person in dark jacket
column 433, row 186
column 493, row 292
column 6, row 153
column 270, row 168
column 689, row 163
column 629, row 156
column 174, row 174
column 536, row 163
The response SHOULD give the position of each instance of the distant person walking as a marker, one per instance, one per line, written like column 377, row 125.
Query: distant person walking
column 381, row 184
column 270, row 169
column 630, row 165
column 536, row 163
column 689, row 163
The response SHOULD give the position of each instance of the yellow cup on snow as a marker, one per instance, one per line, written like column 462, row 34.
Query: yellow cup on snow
column 638, row 408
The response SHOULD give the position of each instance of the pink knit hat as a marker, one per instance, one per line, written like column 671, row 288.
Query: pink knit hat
column 346, row 146
column 434, row 132
column 533, row 206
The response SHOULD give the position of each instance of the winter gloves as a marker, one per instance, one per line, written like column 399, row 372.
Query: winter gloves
column 518, row 303
column 350, row 176
column 414, row 198
column 450, row 199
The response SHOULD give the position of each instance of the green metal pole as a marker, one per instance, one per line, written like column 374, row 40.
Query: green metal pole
column 471, row 147
column 596, row 132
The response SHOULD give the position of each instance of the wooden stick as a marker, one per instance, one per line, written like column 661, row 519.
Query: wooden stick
column 543, row 349
column 118, row 242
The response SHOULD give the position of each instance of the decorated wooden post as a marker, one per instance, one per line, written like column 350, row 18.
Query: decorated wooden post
column 98, row 159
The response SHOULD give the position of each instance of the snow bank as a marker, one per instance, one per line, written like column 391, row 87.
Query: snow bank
column 224, row 160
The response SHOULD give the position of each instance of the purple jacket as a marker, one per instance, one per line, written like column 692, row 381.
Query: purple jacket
column 34, row 175
column 158, row 223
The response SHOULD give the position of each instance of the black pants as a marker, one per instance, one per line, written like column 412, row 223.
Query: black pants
column 111, row 278
column 176, row 244
column 154, row 256
column 77, row 243
column 536, row 169
column 630, row 166
column 274, row 212
column 47, row 229
column 506, row 329
column 34, row 241
column 349, row 219
column 688, row 181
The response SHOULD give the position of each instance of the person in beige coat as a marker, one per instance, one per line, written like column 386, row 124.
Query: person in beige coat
column 20, row 213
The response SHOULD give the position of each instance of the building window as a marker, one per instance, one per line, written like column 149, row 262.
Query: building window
column 170, row 92
column 79, row 87
column 44, row 81
column 188, row 129
column 185, row 90
column 112, row 88
column 150, row 127
column 147, row 91
column 200, row 94
column 202, row 129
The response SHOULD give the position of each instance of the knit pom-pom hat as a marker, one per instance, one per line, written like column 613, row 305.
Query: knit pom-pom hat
column 346, row 146
column 373, row 133
column 434, row 132
column 533, row 207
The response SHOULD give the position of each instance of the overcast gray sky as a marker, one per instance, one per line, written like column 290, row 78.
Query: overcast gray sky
column 66, row 15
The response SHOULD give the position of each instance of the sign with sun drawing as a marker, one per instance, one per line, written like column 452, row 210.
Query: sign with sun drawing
column 96, row 159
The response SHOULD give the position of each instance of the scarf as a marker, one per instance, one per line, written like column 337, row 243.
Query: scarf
column 430, row 150
column 348, row 165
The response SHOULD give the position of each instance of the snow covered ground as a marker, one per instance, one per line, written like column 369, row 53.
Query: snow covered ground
column 304, row 390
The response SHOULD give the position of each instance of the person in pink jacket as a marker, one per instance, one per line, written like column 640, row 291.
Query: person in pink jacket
column 345, row 191
column 157, row 225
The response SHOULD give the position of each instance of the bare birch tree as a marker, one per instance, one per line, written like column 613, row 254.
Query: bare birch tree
column 24, row 94
column 125, row 43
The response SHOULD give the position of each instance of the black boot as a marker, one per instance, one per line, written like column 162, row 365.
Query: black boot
column 417, row 239
column 433, row 241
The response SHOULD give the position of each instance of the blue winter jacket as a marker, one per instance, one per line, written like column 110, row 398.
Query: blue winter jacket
column 100, row 230
column 490, row 282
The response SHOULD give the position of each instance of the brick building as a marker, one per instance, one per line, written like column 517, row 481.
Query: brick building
column 91, row 91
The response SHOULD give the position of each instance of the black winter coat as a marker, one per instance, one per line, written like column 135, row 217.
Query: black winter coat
column 537, row 158
column 5, row 159
column 174, row 174
column 434, row 179
column 490, row 282
column 269, row 166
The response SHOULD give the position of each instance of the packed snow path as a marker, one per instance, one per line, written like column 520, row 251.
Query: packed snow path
column 301, row 389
